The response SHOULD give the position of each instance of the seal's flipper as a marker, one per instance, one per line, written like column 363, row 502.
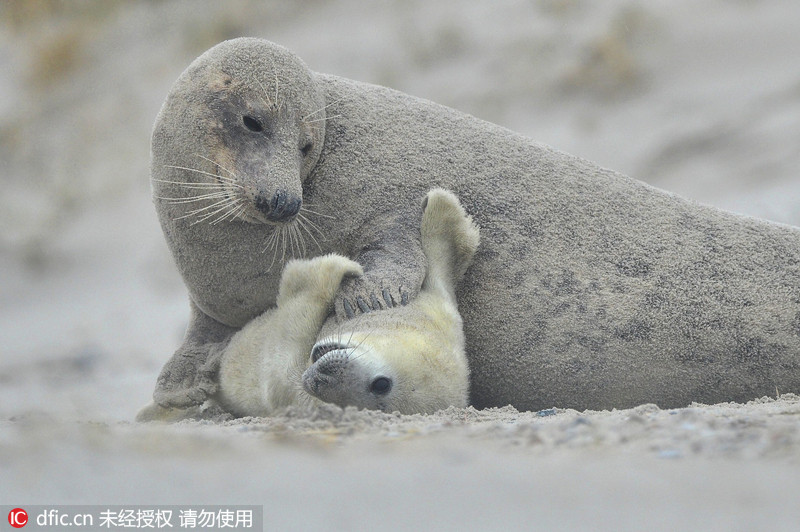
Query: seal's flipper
column 319, row 277
column 449, row 239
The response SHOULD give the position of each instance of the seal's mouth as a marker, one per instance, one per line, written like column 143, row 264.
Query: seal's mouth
column 324, row 348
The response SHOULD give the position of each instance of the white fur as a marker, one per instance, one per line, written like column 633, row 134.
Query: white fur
column 260, row 366
column 419, row 347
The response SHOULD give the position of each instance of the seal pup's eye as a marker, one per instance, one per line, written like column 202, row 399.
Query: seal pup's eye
column 305, row 150
column 252, row 123
column 381, row 386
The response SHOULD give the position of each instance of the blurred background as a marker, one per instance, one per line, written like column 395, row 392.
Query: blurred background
column 697, row 97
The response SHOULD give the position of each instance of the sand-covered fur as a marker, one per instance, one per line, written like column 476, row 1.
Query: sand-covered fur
column 590, row 289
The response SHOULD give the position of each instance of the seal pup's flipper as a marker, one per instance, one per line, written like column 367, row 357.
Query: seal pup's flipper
column 449, row 238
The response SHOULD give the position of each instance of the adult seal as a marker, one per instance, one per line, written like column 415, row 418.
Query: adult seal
column 590, row 289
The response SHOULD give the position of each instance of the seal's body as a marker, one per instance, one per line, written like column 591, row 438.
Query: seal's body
column 408, row 359
column 590, row 290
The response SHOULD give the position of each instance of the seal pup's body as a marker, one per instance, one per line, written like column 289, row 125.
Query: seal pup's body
column 590, row 290
column 408, row 359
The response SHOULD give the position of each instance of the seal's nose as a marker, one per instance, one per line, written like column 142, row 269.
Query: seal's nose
column 281, row 206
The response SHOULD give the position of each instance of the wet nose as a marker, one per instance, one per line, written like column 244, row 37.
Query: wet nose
column 281, row 206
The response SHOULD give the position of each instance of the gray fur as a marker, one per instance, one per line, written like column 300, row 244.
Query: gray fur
column 589, row 290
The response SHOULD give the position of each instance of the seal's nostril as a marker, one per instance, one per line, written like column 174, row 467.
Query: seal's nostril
column 292, row 207
column 281, row 206
column 262, row 204
column 327, row 369
column 279, row 201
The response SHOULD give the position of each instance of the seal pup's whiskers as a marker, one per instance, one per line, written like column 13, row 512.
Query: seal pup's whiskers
column 301, row 226
column 191, row 185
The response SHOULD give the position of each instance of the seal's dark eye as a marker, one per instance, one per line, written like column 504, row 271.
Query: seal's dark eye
column 252, row 123
column 306, row 149
column 381, row 386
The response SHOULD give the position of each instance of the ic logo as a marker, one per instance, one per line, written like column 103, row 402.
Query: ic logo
column 18, row 518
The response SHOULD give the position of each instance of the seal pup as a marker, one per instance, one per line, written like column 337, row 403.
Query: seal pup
column 590, row 289
column 408, row 359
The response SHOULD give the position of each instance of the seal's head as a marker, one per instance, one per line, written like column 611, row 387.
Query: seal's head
column 238, row 135
column 409, row 360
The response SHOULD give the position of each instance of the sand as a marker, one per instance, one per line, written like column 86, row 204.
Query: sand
column 699, row 98
column 722, row 467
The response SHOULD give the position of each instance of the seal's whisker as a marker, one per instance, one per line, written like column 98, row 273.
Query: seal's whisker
column 227, row 215
column 363, row 339
column 192, row 199
column 312, row 113
column 230, row 181
column 299, row 240
column 233, row 207
column 270, row 243
column 195, row 186
column 301, row 223
column 215, row 176
column 302, row 239
column 265, row 97
column 231, row 174
column 291, row 238
column 322, row 119
column 242, row 208
column 316, row 213
column 312, row 225
column 211, row 215
column 283, row 244
column 205, row 217
column 225, row 200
